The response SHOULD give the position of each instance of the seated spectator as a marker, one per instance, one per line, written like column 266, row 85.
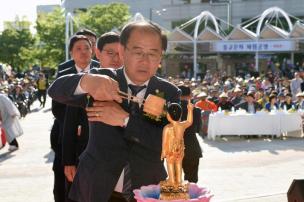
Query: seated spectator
column 250, row 105
column 238, row 98
column 300, row 101
column 281, row 99
column 272, row 104
column 224, row 103
column 213, row 96
column 288, row 103
column 262, row 98
column 204, row 104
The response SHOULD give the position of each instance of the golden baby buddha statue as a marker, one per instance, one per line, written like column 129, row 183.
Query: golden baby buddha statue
column 173, row 151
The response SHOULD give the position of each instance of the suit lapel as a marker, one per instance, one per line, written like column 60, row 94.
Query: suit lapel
column 123, row 86
column 151, row 87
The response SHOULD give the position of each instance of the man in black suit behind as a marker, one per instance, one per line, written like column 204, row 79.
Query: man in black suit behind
column 250, row 105
column 193, row 151
column 80, row 50
column 76, row 126
column 92, row 37
column 118, row 135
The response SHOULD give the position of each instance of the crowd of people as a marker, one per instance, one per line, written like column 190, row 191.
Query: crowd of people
column 266, row 92
column 105, row 146
column 18, row 92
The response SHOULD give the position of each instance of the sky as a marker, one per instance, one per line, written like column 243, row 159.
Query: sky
column 10, row 8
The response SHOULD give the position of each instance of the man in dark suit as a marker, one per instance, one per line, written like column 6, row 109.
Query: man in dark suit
column 80, row 50
column 92, row 37
column 250, row 105
column 76, row 126
column 119, row 136
column 193, row 150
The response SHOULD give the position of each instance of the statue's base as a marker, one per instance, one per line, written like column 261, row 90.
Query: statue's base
column 152, row 193
column 174, row 192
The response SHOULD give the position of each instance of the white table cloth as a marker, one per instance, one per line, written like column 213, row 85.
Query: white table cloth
column 253, row 124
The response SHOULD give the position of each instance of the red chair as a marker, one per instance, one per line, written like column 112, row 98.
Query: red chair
column 2, row 137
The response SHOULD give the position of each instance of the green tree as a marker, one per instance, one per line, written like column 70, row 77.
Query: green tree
column 50, row 46
column 103, row 18
column 14, row 40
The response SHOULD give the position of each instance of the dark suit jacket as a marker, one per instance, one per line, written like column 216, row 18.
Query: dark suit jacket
column 192, row 147
column 70, row 63
column 73, row 144
column 244, row 105
column 58, row 110
column 110, row 148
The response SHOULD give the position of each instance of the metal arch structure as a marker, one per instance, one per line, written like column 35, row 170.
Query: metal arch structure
column 269, row 11
column 203, row 15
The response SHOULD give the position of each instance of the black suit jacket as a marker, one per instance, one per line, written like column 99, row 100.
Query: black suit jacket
column 58, row 110
column 110, row 148
column 244, row 105
column 73, row 144
column 70, row 63
column 192, row 147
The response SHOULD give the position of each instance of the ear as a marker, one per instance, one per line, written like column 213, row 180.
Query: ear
column 121, row 50
column 98, row 53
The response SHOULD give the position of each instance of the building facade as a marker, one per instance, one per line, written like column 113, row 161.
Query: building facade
column 232, row 11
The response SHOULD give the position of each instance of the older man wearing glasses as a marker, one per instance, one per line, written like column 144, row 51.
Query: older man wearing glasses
column 119, row 136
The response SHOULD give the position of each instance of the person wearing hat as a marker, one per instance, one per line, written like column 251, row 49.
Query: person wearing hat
column 204, row 104
column 300, row 101
column 193, row 151
column 224, row 103
column 281, row 99
column 238, row 96
column 272, row 104
column 213, row 96
column 250, row 105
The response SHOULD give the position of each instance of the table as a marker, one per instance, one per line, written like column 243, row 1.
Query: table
column 253, row 124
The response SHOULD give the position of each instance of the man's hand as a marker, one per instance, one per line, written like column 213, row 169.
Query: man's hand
column 69, row 172
column 108, row 112
column 190, row 105
column 101, row 87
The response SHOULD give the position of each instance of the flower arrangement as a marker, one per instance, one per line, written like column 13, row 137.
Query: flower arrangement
column 157, row 119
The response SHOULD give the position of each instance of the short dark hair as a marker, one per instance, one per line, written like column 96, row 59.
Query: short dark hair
column 76, row 38
column 144, row 25
column 186, row 91
column 164, row 41
column 86, row 32
column 108, row 37
column 175, row 111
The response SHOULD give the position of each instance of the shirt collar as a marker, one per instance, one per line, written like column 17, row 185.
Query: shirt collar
column 129, row 80
column 83, row 70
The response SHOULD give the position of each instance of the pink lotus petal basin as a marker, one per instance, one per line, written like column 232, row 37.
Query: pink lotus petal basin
column 151, row 193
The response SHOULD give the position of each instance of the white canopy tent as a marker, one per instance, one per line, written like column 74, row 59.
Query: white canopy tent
column 206, row 29
column 272, row 31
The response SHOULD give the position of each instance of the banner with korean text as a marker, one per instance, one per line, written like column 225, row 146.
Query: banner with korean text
column 254, row 46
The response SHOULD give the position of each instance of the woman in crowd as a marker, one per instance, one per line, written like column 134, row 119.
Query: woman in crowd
column 272, row 104
column 9, row 117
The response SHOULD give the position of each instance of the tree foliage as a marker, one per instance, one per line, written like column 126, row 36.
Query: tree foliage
column 14, row 40
column 46, row 48
column 50, row 48
column 103, row 18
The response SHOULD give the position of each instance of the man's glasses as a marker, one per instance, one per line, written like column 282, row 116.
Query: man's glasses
column 140, row 55
column 111, row 53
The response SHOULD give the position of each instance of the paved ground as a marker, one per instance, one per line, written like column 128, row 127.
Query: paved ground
column 235, row 170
